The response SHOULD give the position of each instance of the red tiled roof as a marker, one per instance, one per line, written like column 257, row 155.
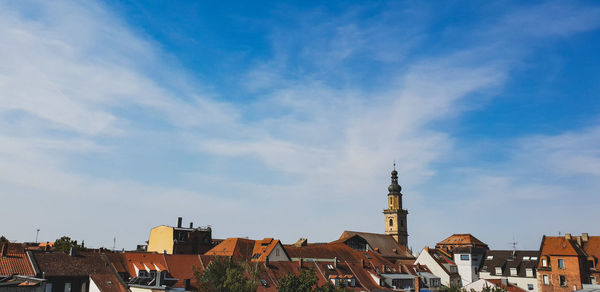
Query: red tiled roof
column 462, row 239
column 386, row 244
column 15, row 262
column 262, row 248
column 238, row 248
column 559, row 245
column 510, row 287
column 108, row 282
column 181, row 267
column 141, row 260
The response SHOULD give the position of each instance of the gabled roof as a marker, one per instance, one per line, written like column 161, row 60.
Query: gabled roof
column 387, row 245
column 238, row 248
column 465, row 239
column 263, row 248
column 16, row 261
column 559, row 245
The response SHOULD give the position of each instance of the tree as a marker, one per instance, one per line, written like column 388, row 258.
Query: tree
column 306, row 281
column 65, row 244
column 224, row 275
column 3, row 239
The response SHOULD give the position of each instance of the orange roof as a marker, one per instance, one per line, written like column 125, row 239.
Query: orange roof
column 558, row 245
column 108, row 282
column 181, row 266
column 143, row 260
column 15, row 262
column 463, row 239
column 263, row 248
column 238, row 248
column 592, row 246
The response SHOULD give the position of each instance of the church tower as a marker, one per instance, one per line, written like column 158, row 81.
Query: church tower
column 395, row 216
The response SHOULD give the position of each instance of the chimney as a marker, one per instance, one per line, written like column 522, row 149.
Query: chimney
column 4, row 249
column 383, row 268
column 300, row 262
column 579, row 240
column 47, row 247
column 362, row 263
column 568, row 236
column 188, row 285
column 179, row 219
column 73, row 249
column 191, row 225
column 585, row 237
column 417, row 284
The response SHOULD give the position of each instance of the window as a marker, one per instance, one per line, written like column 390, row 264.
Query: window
column 561, row 263
column 463, row 257
column 391, row 222
column 513, row 271
column 545, row 278
column 544, row 263
column 534, row 258
column 529, row 272
column 592, row 280
column 330, row 266
column 263, row 282
column 498, row 270
column 563, row 281
column 529, row 287
column 525, row 258
column 489, row 257
column 67, row 287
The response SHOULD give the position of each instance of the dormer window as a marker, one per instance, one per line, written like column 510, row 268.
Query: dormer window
column 498, row 270
column 544, row 262
column 513, row 271
column 489, row 257
column 464, row 257
column 529, row 272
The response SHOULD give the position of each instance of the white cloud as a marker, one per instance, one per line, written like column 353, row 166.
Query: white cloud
column 77, row 80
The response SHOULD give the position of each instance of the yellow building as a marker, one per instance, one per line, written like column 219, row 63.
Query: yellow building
column 180, row 240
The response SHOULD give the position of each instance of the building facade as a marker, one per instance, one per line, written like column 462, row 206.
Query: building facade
column 395, row 216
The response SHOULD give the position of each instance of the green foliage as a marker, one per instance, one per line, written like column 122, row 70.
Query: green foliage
column 224, row 275
column 3, row 239
column 65, row 243
column 301, row 283
column 305, row 282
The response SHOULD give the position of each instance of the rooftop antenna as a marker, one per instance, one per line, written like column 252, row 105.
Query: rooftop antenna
column 114, row 242
column 394, row 164
column 36, row 235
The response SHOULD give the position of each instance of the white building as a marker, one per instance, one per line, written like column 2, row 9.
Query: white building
column 468, row 261
column 441, row 264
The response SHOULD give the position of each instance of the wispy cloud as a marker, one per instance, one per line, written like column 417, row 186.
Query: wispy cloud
column 79, row 84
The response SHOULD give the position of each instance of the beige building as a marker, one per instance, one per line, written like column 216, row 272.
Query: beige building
column 180, row 240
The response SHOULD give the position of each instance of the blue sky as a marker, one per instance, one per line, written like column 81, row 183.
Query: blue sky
column 283, row 119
